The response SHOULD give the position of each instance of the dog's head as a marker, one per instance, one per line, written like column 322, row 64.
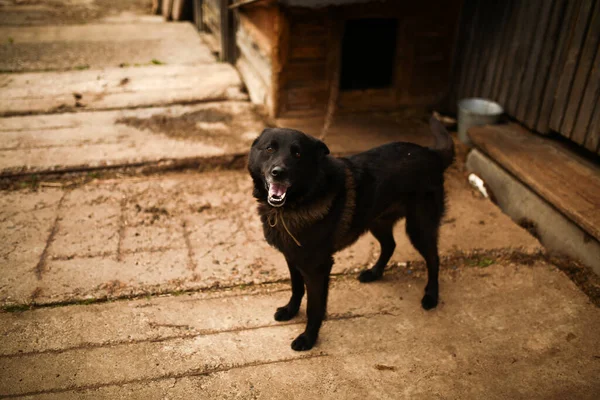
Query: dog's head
column 284, row 164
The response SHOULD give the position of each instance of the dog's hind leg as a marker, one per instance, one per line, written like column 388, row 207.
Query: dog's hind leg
column 422, row 223
column 383, row 232
column 290, row 310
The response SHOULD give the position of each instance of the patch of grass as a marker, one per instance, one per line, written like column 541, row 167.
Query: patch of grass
column 32, row 182
column 82, row 67
column 124, row 65
column 157, row 62
column 10, row 40
column 16, row 308
column 482, row 262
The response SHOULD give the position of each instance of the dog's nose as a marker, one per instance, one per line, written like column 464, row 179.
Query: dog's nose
column 278, row 172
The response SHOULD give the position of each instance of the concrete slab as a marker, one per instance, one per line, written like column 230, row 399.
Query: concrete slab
column 193, row 231
column 115, row 88
column 87, row 140
column 93, row 46
column 493, row 335
column 52, row 12
column 26, row 222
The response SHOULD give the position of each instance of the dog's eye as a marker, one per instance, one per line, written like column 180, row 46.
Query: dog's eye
column 270, row 150
column 297, row 154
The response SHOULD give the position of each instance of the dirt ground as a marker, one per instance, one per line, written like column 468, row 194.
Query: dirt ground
column 216, row 125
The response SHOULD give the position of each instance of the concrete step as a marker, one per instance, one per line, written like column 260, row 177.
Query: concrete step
column 67, row 47
column 188, row 231
column 544, row 185
column 146, row 136
column 493, row 336
column 116, row 88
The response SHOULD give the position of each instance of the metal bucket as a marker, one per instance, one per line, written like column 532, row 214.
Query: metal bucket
column 474, row 112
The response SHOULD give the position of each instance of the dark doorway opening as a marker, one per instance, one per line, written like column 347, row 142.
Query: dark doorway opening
column 368, row 53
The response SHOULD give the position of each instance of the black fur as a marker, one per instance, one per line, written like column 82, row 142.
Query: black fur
column 331, row 202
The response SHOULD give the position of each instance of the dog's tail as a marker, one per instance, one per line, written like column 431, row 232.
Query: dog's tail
column 444, row 146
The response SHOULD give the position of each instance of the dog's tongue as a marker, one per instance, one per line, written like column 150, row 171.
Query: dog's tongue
column 277, row 190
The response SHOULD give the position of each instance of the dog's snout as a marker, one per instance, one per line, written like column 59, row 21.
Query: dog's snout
column 278, row 172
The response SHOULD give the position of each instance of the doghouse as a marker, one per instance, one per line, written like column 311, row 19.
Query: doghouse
column 294, row 55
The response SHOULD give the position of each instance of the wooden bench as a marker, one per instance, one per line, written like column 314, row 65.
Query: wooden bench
column 564, row 179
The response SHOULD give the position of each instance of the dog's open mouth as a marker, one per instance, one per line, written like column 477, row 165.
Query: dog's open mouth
column 277, row 192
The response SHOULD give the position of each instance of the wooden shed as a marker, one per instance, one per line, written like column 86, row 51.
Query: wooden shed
column 294, row 55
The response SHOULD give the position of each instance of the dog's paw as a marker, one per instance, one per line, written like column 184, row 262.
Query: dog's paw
column 429, row 301
column 303, row 343
column 368, row 275
column 284, row 314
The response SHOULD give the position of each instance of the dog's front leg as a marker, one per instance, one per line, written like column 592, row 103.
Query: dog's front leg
column 317, row 287
column 290, row 310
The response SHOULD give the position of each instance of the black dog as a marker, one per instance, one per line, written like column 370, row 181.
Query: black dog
column 313, row 205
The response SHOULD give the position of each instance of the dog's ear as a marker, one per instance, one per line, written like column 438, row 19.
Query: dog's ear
column 322, row 148
column 259, row 136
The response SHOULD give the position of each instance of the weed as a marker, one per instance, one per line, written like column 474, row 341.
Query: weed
column 32, row 182
column 16, row 308
column 482, row 262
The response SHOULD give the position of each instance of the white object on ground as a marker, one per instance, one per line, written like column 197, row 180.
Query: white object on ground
column 478, row 183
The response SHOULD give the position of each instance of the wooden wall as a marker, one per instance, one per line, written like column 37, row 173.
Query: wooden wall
column 539, row 59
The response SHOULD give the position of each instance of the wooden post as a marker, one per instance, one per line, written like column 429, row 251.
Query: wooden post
column 198, row 15
column 279, row 58
column 228, row 46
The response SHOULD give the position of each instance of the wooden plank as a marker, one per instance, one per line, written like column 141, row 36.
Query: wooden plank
column 528, row 71
column 591, row 101
column 262, row 39
column 485, row 42
column 210, row 14
column 466, row 13
column 507, row 38
column 584, row 76
column 279, row 60
column 467, row 61
column 593, row 140
column 569, row 68
column 498, row 33
column 479, row 50
column 541, row 74
column 257, row 88
column 558, row 60
column 567, row 181
column 306, row 74
column 260, row 62
column 166, row 9
column 507, row 84
column 198, row 19
column 535, row 11
column 228, row 45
